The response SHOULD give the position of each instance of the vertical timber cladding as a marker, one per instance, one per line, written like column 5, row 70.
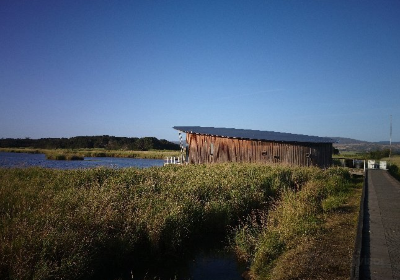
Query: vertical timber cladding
column 214, row 149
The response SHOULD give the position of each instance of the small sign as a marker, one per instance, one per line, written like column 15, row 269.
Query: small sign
column 371, row 164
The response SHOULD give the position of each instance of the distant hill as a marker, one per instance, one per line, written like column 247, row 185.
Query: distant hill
column 387, row 143
column 358, row 146
column 343, row 140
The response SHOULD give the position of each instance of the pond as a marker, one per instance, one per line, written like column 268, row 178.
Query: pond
column 29, row 160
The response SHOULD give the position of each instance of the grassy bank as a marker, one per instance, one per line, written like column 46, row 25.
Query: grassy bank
column 95, row 223
column 307, row 233
column 80, row 153
column 327, row 253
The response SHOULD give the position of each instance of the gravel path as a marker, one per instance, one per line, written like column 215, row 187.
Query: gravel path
column 380, row 257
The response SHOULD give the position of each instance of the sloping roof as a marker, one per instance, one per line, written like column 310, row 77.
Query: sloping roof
column 253, row 134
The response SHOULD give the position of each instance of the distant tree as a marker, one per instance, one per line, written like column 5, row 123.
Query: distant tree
column 378, row 154
column 89, row 142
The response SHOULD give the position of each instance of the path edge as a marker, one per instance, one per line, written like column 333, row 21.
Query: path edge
column 355, row 264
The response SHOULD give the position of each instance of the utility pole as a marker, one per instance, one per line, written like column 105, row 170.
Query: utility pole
column 390, row 142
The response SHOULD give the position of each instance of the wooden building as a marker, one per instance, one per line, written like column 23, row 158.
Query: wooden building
column 217, row 145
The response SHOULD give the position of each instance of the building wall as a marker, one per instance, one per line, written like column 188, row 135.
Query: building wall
column 212, row 149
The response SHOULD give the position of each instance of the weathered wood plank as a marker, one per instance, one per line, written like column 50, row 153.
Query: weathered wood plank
column 240, row 150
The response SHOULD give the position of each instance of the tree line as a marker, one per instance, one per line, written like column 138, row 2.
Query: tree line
column 378, row 154
column 91, row 142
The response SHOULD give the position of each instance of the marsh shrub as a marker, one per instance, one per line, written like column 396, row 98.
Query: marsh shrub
column 394, row 171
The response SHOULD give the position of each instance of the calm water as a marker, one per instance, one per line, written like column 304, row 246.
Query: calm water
column 27, row 160
column 211, row 265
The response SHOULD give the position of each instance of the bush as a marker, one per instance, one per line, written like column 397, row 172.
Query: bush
column 394, row 171
column 378, row 154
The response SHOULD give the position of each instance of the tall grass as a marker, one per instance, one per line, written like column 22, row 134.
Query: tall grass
column 297, row 213
column 90, row 223
column 68, row 153
column 54, row 155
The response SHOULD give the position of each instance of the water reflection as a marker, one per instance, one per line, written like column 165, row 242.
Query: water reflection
column 221, row 266
column 206, row 265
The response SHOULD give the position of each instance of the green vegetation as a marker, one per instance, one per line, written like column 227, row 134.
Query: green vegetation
column 91, row 142
column 350, row 155
column 393, row 167
column 376, row 154
column 95, row 223
column 81, row 153
column 394, row 159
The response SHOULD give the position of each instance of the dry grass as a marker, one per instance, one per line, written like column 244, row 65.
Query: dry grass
column 93, row 223
column 68, row 153
column 326, row 254
column 394, row 160
column 309, row 233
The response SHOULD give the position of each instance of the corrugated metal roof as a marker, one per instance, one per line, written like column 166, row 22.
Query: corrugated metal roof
column 253, row 134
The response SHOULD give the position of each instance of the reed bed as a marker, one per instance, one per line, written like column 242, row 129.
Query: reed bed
column 152, row 154
column 95, row 223
column 68, row 154
column 63, row 156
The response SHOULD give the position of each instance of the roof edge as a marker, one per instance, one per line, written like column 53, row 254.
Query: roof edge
column 250, row 134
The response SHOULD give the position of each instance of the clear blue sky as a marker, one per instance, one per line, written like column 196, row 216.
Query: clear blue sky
column 137, row 68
